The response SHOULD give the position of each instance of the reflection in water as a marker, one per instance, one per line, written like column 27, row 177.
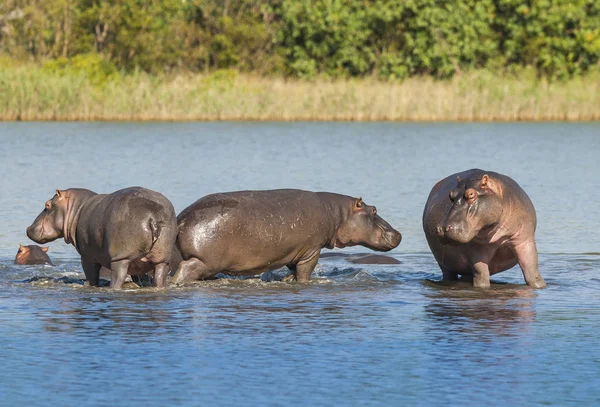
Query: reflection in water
column 368, row 335
column 125, row 315
column 503, row 310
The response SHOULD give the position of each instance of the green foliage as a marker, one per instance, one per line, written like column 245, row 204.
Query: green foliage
column 392, row 39
column 95, row 68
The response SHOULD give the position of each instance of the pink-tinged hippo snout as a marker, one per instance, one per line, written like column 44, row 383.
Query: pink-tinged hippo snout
column 453, row 233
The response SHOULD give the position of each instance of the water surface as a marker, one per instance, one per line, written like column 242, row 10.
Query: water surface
column 357, row 334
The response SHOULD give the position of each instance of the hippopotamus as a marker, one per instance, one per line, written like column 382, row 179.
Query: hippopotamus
column 32, row 254
column 481, row 223
column 372, row 259
column 362, row 258
column 132, row 230
column 251, row 232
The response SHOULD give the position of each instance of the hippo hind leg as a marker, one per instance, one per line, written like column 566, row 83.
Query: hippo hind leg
column 304, row 268
column 161, row 271
column 92, row 273
column 118, row 273
column 191, row 270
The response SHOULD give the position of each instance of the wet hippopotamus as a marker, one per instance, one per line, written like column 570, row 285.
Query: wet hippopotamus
column 132, row 230
column 481, row 223
column 372, row 259
column 251, row 232
column 32, row 254
column 362, row 258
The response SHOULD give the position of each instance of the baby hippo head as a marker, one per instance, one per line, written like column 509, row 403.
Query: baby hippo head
column 365, row 227
column 50, row 223
column 32, row 254
column 476, row 206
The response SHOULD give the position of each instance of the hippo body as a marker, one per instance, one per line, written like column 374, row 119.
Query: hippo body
column 32, row 254
column 132, row 230
column 481, row 223
column 372, row 259
column 251, row 232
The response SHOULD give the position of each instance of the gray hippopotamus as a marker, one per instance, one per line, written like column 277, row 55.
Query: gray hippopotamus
column 125, row 231
column 250, row 232
column 32, row 254
column 481, row 223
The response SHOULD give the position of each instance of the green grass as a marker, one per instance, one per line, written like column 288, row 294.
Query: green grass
column 33, row 92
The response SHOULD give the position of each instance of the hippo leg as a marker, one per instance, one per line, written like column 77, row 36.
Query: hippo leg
column 118, row 273
column 481, row 275
column 161, row 271
column 305, row 267
column 92, row 273
column 448, row 275
column 528, row 260
column 191, row 270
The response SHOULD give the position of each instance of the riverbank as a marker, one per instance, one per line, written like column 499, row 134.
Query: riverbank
column 35, row 93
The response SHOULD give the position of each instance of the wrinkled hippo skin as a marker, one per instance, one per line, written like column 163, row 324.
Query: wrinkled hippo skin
column 132, row 230
column 250, row 232
column 481, row 223
column 32, row 254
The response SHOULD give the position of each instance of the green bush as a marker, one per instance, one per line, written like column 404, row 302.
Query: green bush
column 307, row 38
column 92, row 66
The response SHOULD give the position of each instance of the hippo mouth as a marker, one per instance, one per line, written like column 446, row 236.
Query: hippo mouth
column 388, row 241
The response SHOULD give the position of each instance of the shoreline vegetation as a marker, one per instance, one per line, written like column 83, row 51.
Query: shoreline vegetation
column 377, row 60
column 34, row 93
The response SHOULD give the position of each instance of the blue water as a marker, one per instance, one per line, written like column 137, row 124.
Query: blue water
column 357, row 334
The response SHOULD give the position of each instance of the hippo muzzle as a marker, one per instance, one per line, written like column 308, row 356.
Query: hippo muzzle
column 391, row 239
column 453, row 233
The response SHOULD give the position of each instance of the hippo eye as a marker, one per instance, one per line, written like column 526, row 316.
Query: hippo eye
column 470, row 194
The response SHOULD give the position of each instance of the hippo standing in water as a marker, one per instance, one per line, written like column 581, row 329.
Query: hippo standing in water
column 32, row 254
column 131, row 230
column 250, row 232
column 481, row 223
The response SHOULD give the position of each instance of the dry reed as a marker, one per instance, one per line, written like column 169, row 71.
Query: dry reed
column 32, row 93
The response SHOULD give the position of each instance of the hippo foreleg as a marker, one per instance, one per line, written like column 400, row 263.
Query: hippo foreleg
column 118, row 273
column 448, row 275
column 481, row 275
column 528, row 260
column 92, row 273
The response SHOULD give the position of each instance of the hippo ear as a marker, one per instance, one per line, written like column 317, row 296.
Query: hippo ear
column 359, row 203
column 458, row 179
column 484, row 181
column 490, row 184
column 21, row 247
column 58, row 193
column 45, row 249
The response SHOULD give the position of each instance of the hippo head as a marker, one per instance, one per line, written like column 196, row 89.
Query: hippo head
column 50, row 223
column 365, row 227
column 30, row 254
column 476, row 207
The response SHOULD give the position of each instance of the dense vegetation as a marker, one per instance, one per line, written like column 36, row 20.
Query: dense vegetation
column 305, row 38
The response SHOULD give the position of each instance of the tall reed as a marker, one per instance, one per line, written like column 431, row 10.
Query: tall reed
column 33, row 93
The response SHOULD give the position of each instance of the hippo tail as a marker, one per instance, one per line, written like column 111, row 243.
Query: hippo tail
column 156, row 230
